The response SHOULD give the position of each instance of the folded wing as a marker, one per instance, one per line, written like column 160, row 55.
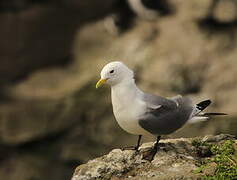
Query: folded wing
column 170, row 114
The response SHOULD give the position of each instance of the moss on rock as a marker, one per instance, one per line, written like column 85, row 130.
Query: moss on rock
column 222, row 159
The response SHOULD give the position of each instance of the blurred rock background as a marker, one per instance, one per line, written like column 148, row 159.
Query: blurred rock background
column 51, row 53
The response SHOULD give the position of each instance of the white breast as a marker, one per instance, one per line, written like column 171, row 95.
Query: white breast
column 127, row 109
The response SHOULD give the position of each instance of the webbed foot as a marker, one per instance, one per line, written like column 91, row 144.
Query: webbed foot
column 150, row 154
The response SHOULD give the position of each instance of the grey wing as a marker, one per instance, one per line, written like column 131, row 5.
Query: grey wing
column 170, row 115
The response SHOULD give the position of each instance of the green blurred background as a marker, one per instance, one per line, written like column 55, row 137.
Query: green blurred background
column 51, row 52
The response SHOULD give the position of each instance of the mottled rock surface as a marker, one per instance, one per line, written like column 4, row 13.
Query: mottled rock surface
column 176, row 159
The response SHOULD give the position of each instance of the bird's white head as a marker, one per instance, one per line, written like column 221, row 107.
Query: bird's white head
column 114, row 73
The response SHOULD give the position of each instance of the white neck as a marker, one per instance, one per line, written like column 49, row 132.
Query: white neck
column 125, row 92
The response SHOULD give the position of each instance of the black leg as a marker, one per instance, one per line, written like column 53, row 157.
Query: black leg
column 138, row 141
column 156, row 146
column 150, row 155
column 134, row 147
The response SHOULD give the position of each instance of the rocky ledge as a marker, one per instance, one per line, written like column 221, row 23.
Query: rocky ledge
column 213, row 157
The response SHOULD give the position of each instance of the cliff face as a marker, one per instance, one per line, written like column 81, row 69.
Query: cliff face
column 51, row 55
column 177, row 159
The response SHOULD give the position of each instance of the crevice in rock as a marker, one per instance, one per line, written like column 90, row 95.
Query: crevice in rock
column 213, row 27
column 162, row 6
column 210, row 24
column 215, row 21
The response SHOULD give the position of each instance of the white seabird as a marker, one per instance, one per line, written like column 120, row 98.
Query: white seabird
column 140, row 113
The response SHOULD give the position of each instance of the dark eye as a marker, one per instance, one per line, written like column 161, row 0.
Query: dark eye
column 112, row 71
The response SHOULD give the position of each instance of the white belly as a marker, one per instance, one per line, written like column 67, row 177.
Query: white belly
column 128, row 116
column 129, row 124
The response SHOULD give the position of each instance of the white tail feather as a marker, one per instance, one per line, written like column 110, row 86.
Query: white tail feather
column 197, row 119
column 198, row 116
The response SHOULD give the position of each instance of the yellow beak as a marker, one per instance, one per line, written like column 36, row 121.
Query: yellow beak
column 100, row 83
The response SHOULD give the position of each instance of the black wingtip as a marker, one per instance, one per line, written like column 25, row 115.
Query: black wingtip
column 202, row 105
column 215, row 114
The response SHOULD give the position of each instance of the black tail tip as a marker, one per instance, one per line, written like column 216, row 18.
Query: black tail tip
column 215, row 114
column 202, row 105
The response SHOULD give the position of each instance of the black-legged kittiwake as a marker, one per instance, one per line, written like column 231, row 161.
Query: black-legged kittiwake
column 140, row 113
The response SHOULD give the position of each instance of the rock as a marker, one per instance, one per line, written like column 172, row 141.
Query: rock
column 175, row 160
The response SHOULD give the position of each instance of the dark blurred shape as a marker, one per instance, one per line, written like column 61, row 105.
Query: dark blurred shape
column 12, row 5
column 187, row 81
column 37, row 34
column 222, row 16
column 213, row 25
column 162, row 6
column 123, row 17
column 221, row 19
column 126, row 11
